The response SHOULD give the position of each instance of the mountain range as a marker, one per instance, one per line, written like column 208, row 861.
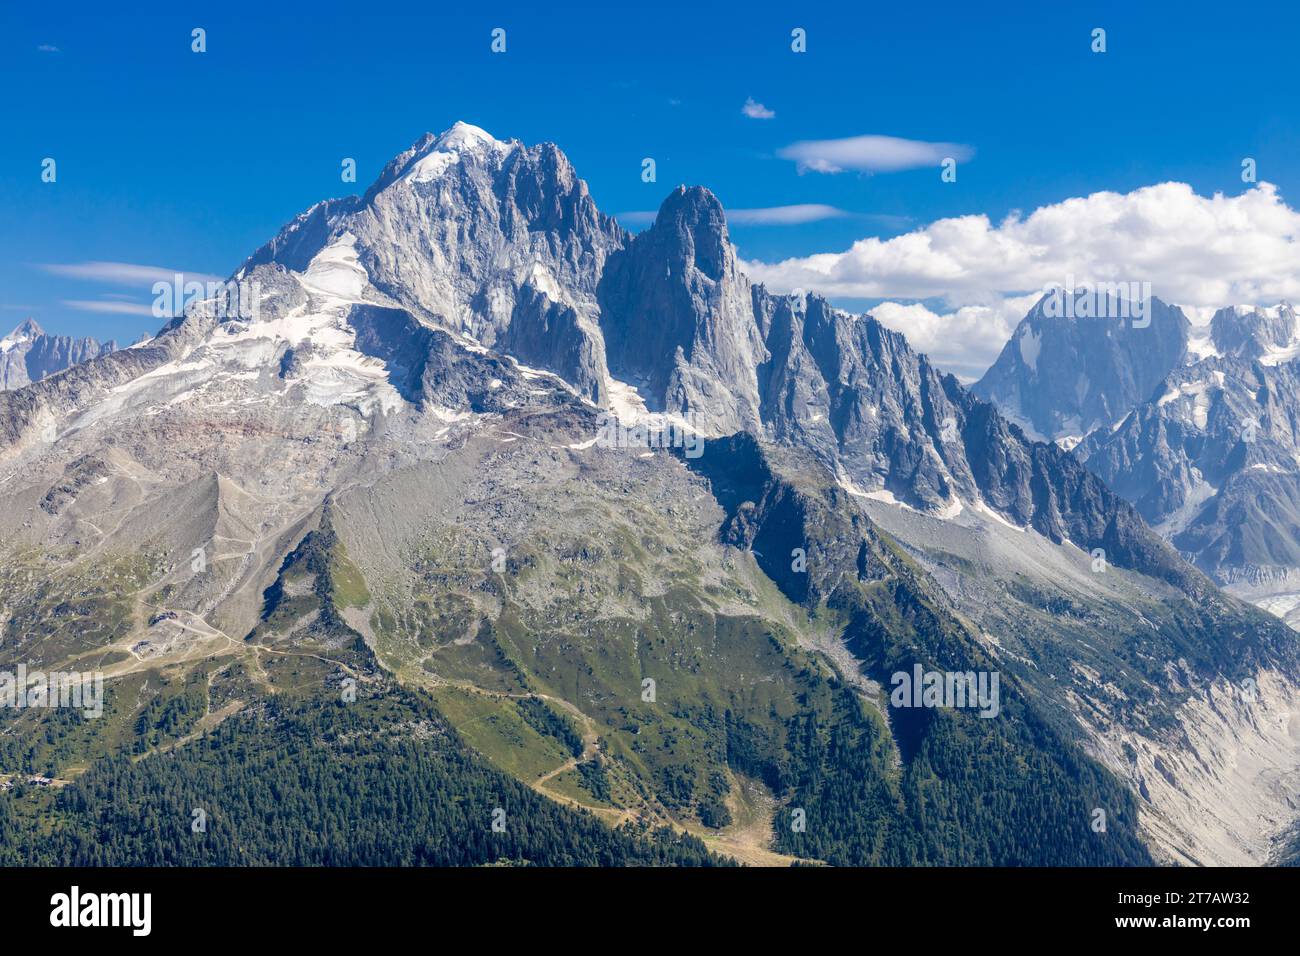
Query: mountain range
column 387, row 484
column 1195, row 426
column 28, row 354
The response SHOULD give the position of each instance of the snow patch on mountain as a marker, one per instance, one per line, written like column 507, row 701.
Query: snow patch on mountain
column 1200, row 393
column 1201, row 347
column 431, row 166
column 1068, row 442
column 8, row 343
column 988, row 512
column 1031, row 343
column 336, row 272
column 627, row 405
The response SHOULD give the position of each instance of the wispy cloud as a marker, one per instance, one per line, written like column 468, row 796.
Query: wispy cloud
column 768, row 216
column 755, row 110
column 784, row 215
column 871, row 154
column 636, row 217
column 114, row 306
column 122, row 273
column 48, row 48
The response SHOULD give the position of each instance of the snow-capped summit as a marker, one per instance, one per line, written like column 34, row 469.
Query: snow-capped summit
column 485, row 238
column 464, row 135
column 435, row 154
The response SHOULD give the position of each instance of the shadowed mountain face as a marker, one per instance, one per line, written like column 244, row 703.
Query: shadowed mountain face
column 1197, row 429
column 395, row 474
column 678, row 316
column 29, row 354
column 1212, row 458
column 1061, row 377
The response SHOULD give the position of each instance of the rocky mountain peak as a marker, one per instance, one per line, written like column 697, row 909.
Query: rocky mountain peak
column 678, row 317
column 1070, row 367
column 29, row 328
column 1253, row 332
column 433, row 154
column 462, row 135
column 1193, row 426
column 693, row 229
column 481, row 237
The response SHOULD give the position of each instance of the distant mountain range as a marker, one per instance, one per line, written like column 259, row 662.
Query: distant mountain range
column 392, row 479
column 1196, row 426
column 28, row 354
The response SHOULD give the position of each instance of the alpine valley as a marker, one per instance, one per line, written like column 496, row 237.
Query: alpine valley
column 366, row 585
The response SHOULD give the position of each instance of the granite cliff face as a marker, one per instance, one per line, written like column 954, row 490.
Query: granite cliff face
column 678, row 317
column 488, row 239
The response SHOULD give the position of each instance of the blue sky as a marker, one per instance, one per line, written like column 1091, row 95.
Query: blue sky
column 180, row 160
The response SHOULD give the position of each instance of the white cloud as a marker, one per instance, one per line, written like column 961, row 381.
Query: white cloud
column 1200, row 314
column 123, row 273
column 871, row 154
column 1201, row 252
column 964, row 341
column 767, row 216
column 102, row 305
column 48, row 48
column 756, row 110
column 784, row 215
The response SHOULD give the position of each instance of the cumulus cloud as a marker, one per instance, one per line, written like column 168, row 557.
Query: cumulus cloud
column 767, row 216
column 1200, row 252
column 756, row 110
column 122, row 273
column 870, row 154
column 964, row 340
